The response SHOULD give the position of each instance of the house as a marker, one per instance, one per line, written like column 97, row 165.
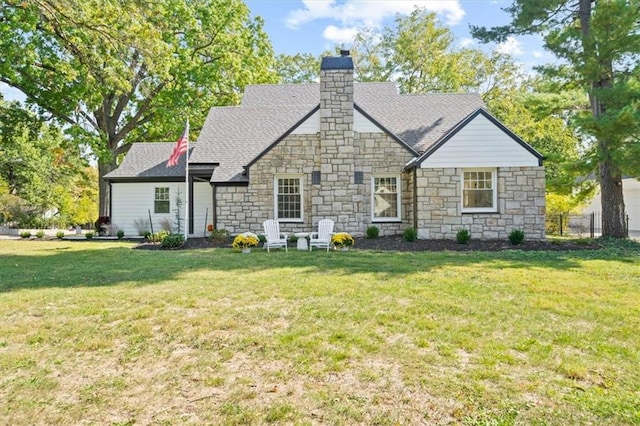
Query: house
column 631, row 195
column 358, row 153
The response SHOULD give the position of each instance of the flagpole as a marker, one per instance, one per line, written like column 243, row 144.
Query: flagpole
column 186, row 183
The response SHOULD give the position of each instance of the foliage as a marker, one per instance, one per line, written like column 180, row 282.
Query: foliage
column 89, row 235
column 410, row 235
column 157, row 237
column 165, row 224
column 40, row 234
column 245, row 240
column 598, row 45
column 558, row 206
column 516, row 237
column 372, row 232
column 463, row 236
column 120, row 234
column 172, row 240
column 298, row 68
column 120, row 71
column 25, row 234
column 342, row 239
column 143, row 226
column 178, row 210
column 60, row 235
column 220, row 236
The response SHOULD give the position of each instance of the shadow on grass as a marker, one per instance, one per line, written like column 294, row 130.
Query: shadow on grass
column 87, row 264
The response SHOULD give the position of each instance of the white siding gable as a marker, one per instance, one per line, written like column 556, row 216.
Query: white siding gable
column 480, row 144
column 311, row 125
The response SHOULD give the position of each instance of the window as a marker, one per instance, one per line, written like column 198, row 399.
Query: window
column 385, row 198
column 161, row 201
column 479, row 190
column 288, row 198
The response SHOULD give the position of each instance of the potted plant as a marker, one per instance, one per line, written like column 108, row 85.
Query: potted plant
column 245, row 241
column 342, row 241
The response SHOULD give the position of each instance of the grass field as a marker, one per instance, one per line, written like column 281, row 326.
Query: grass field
column 98, row 333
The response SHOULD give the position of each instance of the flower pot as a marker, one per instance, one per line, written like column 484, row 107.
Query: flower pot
column 246, row 250
column 346, row 248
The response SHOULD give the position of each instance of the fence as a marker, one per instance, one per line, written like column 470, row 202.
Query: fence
column 578, row 224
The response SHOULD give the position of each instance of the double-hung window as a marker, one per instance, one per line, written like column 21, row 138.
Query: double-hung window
column 288, row 197
column 479, row 190
column 385, row 198
column 161, row 200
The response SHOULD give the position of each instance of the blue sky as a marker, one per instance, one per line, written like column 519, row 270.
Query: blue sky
column 313, row 26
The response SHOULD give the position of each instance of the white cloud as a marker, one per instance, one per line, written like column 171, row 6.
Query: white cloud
column 511, row 46
column 538, row 54
column 466, row 42
column 367, row 13
column 339, row 35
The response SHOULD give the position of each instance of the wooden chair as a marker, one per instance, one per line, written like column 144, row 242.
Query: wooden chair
column 274, row 238
column 322, row 238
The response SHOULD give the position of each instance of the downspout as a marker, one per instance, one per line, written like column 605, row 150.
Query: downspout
column 191, row 205
column 415, row 198
column 214, row 215
column 110, row 202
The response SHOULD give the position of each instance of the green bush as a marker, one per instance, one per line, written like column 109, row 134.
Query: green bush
column 220, row 236
column 372, row 232
column 40, row 234
column 410, row 234
column 463, row 236
column 89, row 235
column 120, row 234
column 25, row 234
column 172, row 240
column 60, row 235
column 262, row 238
column 516, row 236
column 157, row 237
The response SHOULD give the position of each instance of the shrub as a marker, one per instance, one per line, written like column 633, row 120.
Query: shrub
column 120, row 234
column 172, row 240
column 89, row 235
column 60, row 235
column 25, row 234
column 248, row 239
column 143, row 226
column 165, row 225
column 516, row 236
column 262, row 238
column 220, row 236
column 342, row 239
column 158, row 237
column 40, row 234
column 410, row 235
column 373, row 232
column 102, row 225
column 463, row 236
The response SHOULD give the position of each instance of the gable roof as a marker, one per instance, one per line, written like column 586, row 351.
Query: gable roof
column 234, row 137
column 149, row 160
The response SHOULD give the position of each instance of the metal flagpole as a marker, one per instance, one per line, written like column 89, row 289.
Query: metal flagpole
column 186, row 183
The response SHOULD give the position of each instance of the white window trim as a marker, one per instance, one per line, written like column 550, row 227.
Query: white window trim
column 275, row 198
column 494, row 186
column 398, row 218
column 168, row 188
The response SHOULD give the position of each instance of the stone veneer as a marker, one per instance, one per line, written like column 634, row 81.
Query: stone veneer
column 521, row 205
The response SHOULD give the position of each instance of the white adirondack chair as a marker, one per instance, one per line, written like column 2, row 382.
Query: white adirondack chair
column 274, row 238
column 322, row 238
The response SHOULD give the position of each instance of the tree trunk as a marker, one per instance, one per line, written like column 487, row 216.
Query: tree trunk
column 614, row 222
column 103, row 169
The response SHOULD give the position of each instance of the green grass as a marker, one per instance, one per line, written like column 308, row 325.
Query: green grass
column 95, row 332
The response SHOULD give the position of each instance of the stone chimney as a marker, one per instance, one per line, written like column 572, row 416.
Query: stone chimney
column 336, row 139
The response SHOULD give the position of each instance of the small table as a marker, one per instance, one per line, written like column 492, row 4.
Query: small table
column 302, row 240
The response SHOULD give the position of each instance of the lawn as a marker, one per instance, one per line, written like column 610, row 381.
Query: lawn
column 99, row 333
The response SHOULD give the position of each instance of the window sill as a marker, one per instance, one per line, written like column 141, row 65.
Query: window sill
column 480, row 212
column 386, row 221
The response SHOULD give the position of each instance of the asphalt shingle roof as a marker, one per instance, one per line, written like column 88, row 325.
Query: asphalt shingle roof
column 149, row 160
column 234, row 136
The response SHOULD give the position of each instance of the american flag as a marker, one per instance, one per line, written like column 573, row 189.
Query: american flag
column 180, row 148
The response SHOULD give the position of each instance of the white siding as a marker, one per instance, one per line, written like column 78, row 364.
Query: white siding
column 134, row 201
column 631, row 194
column 310, row 126
column 363, row 125
column 202, row 208
column 480, row 144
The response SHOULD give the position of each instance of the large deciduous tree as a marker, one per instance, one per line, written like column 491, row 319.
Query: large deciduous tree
column 118, row 71
column 599, row 44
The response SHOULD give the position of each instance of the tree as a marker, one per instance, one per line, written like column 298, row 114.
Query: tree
column 298, row 68
column 599, row 43
column 422, row 55
column 118, row 71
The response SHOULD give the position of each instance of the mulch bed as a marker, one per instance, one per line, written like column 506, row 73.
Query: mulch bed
column 396, row 243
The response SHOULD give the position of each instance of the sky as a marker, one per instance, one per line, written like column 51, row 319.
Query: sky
column 314, row 26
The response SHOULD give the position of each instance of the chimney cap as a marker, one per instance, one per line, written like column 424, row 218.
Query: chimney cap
column 344, row 53
column 337, row 63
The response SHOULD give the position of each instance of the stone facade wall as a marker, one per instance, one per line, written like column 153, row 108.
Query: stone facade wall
column 521, row 205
